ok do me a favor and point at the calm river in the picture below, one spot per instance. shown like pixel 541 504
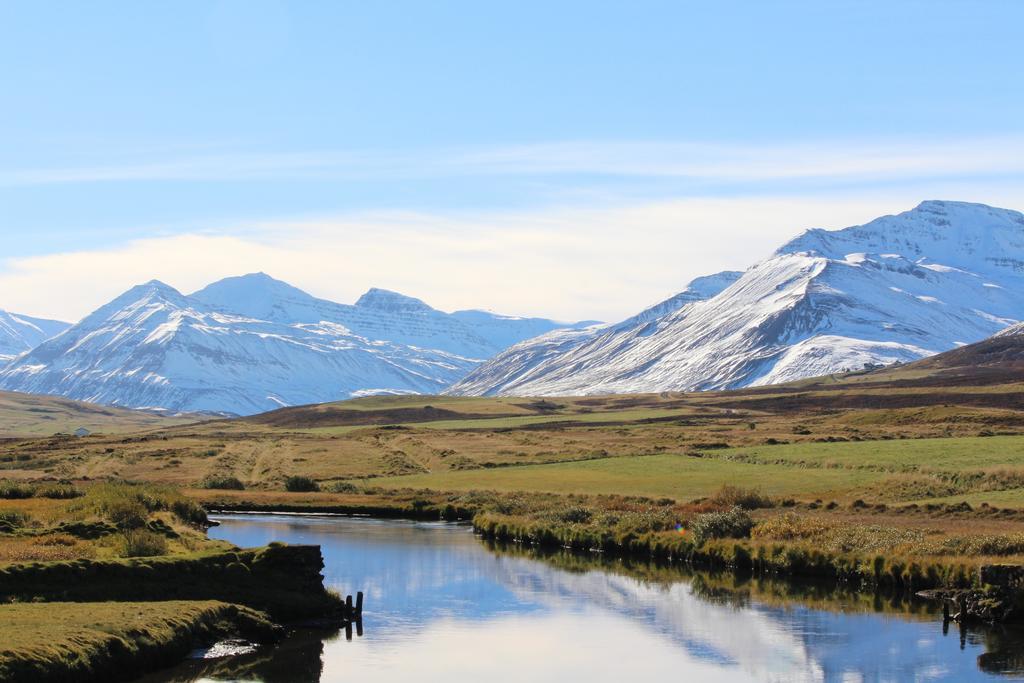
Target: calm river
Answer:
pixel 443 606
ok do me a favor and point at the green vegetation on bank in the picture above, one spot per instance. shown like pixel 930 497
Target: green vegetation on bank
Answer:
pixel 100 559
pixel 45 642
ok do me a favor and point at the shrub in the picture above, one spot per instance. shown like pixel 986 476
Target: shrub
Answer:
pixel 735 523
pixel 735 496
pixel 57 540
pixel 11 520
pixel 190 512
pixel 343 487
pixel 299 484
pixel 129 505
pixel 576 515
pixel 222 482
pixel 12 490
pixel 126 514
pixel 142 543
pixel 59 492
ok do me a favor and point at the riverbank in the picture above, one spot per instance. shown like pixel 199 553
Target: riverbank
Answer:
pixel 112 641
pixel 103 581
pixel 903 549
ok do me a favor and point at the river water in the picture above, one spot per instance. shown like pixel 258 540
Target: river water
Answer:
pixel 443 606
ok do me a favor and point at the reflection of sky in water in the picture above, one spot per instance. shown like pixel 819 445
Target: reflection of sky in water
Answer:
pixel 440 606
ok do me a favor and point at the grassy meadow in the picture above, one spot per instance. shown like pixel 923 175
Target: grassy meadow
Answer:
pixel 890 483
pixel 28 415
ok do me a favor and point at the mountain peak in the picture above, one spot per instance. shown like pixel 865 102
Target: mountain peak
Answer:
pixel 897 288
pixel 950 232
pixel 251 284
pixel 158 286
pixel 146 290
pixel 257 295
pixel 385 299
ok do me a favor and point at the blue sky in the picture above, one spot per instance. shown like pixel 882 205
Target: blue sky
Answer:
pixel 464 152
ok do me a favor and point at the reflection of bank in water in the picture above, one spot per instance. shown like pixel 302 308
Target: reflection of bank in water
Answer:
pixel 446 608
pixel 298 658
pixel 759 595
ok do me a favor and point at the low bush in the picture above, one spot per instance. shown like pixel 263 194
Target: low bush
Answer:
pixel 13 490
pixel 300 484
pixel 130 505
pixel 126 514
pixel 576 515
pixel 735 496
pixel 222 482
pixel 57 540
pixel 836 537
pixel 189 511
pixel 11 520
pixel 343 487
pixel 142 543
pixel 734 523
pixel 58 492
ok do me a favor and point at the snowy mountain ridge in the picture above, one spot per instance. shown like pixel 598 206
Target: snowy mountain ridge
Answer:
pixel 896 289
pixel 249 344
pixel 21 333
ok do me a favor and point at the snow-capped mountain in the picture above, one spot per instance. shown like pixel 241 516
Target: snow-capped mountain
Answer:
pixel 21 333
pixel 378 314
pixel 896 289
pixel 252 343
pixel 1015 330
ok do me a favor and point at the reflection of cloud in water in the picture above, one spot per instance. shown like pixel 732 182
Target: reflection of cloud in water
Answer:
pixel 438 602
pixel 588 644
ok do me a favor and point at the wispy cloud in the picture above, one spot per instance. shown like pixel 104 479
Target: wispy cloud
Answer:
pixel 824 161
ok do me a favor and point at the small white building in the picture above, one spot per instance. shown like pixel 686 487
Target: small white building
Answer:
pixel 82 431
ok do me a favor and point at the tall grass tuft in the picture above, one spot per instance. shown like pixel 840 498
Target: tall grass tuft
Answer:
pixel 224 482
pixel 142 543
pixel 58 492
pixel 735 496
pixel 13 490
pixel 734 523
pixel 300 484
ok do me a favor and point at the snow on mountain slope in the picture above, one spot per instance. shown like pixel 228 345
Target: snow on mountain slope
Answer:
pixel 378 314
pixel 246 345
pixel 570 349
pixel 20 333
pixel 896 289
pixel 1012 331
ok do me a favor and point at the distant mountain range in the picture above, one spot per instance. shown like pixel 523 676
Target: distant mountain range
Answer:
pixel 899 288
pixel 250 344
pixel 21 333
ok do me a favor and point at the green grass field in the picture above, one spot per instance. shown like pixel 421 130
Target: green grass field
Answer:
pixel 936 455
pixel 510 422
pixel 673 476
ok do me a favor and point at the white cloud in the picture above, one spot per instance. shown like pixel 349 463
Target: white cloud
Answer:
pixel 822 161
pixel 564 263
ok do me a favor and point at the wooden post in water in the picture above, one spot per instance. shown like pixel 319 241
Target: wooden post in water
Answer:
pixel 349 612
pixel 359 605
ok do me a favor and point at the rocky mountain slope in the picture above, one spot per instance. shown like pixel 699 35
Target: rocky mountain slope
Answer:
pixel 899 288
pixel 249 344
